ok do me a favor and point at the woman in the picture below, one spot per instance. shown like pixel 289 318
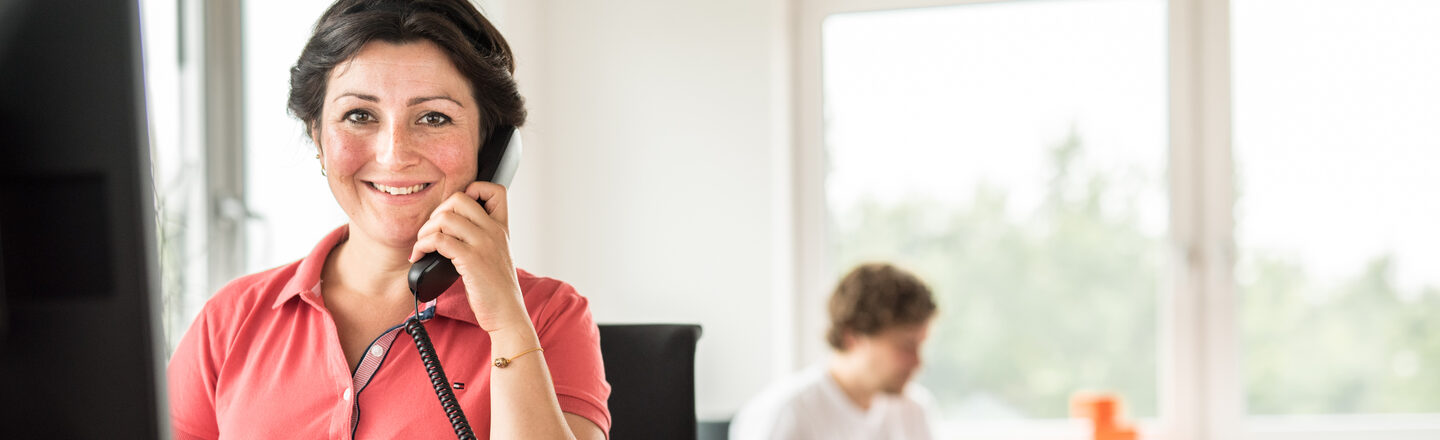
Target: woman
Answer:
pixel 398 97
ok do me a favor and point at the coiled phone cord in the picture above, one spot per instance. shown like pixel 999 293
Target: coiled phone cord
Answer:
pixel 437 376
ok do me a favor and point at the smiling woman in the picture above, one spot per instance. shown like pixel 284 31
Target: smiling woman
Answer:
pixel 398 97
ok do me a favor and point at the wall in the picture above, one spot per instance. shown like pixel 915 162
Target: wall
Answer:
pixel 657 173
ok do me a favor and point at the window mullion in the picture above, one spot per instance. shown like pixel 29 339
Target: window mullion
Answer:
pixel 1181 376
pixel 1200 387
pixel 1224 403
pixel 223 130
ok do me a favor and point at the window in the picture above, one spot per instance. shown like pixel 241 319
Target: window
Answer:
pixel 1013 155
pixel 1336 142
pixel 178 167
pixel 1219 209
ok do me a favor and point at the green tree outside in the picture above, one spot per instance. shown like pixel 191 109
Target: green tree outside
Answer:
pixel 1036 308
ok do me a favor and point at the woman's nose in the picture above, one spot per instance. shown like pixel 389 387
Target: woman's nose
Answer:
pixel 395 146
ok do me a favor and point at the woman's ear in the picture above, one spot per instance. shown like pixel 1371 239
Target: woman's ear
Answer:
pixel 313 128
pixel 319 150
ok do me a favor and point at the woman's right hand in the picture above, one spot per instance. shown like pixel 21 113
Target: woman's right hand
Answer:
pixel 471 229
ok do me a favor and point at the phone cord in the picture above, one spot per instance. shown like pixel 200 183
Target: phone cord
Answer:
pixel 437 378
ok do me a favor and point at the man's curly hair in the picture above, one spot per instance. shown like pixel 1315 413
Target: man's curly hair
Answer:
pixel 875 297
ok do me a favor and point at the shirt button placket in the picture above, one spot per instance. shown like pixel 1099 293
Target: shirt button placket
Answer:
pixel 347 411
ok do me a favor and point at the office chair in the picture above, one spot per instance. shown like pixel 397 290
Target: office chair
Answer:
pixel 651 370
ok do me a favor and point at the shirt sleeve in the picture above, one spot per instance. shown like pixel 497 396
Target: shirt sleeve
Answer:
pixel 191 379
pixel 572 351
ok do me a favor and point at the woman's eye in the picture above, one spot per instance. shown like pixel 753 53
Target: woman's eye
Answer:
pixel 434 119
pixel 358 117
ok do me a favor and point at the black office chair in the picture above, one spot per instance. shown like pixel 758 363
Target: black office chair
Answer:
pixel 651 370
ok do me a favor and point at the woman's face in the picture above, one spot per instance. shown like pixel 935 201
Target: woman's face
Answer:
pixel 398 132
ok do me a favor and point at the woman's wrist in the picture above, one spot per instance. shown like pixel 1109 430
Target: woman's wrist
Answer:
pixel 513 339
pixel 499 312
pixel 505 319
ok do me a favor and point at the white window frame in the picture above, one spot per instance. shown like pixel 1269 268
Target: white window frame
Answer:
pixel 222 107
pixel 207 65
pixel 1200 387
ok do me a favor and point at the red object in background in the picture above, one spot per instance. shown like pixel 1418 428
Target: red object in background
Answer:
pixel 1103 410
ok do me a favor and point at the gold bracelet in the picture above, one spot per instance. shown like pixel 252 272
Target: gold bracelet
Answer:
pixel 502 362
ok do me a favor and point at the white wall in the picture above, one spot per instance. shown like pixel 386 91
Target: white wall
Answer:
pixel 657 172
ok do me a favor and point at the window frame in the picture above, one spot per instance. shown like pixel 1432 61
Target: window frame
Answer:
pixel 1201 390
pixel 202 54
pixel 222 106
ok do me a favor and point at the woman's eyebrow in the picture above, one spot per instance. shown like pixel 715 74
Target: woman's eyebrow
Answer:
pixel 417 100
pixel 370 98
pixel 413 101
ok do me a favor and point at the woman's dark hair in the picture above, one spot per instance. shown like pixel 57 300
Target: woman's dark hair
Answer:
pixel 472 43
pixel 876 297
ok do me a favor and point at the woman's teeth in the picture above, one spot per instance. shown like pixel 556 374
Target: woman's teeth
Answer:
pixel 399 191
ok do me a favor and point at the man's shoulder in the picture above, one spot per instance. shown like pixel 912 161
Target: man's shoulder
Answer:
pixel 794 390
pixel 778 411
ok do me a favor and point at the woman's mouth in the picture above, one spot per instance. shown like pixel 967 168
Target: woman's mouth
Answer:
pixel 399 190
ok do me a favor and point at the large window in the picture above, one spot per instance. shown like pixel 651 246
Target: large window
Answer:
pixel 1220 210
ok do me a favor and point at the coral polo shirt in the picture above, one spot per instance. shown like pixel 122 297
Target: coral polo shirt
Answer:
pixel 263 360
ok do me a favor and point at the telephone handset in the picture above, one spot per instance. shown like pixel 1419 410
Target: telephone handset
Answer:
pixel 498 160
pixel 433 273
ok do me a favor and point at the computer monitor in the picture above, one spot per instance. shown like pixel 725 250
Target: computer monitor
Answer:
pixel 80 353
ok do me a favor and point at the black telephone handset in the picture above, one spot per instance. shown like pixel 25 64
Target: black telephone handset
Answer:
pixel 498 159
pixel 433 273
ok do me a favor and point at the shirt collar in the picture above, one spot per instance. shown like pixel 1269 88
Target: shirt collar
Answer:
pixel 451 304
pixel 307 275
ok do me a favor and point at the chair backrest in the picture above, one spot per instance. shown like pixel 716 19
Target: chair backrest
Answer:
pixel 651 370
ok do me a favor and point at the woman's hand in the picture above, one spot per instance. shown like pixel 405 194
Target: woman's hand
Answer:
pixel 476 238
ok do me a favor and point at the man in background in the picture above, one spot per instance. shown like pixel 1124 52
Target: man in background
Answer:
pixel 879 316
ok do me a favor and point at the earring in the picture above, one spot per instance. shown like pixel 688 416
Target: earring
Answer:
pixel 322 166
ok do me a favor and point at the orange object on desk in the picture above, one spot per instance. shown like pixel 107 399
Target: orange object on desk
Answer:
pixel 1103 410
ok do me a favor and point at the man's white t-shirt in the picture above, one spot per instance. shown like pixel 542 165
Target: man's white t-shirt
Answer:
pixel 811 406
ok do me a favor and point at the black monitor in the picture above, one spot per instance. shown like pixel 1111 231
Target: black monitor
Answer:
pixel 80 353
